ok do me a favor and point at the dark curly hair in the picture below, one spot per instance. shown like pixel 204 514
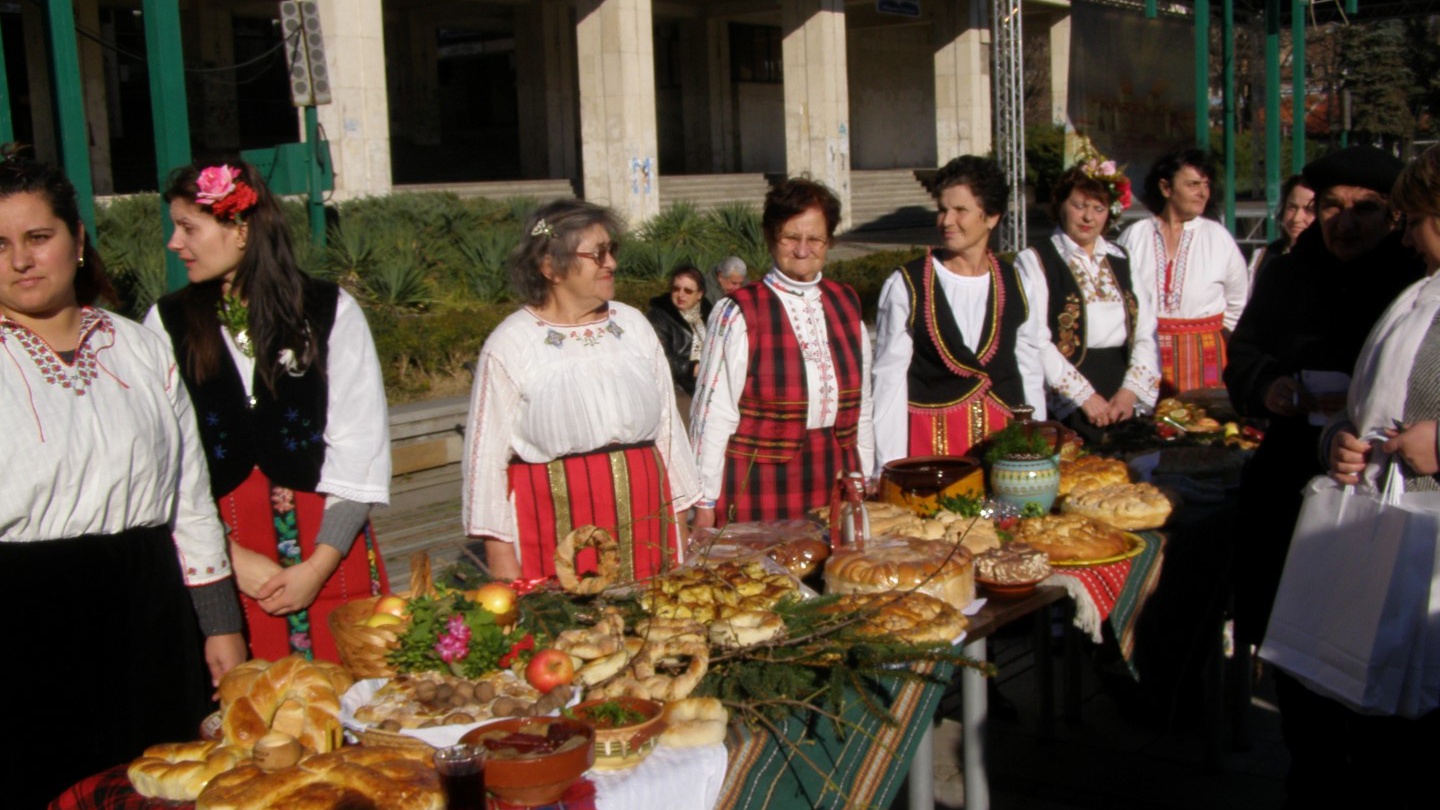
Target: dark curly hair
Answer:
pixel 793 197
pixel 1167 166
pixel 21 174
pixel 984 178
pixel 267 279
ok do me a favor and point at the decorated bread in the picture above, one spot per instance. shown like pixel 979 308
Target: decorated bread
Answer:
pixel 939 568
pixel 293 695
pixel 1124 506
pixel 908 616
pixel 798 545
pixel 427 699
pixel 179 771
pixel 1071 537
pixel 1012 563
pixel 392 778
pixel 1089 472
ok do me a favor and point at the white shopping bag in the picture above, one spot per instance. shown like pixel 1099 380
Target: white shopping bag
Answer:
pixel 1351 615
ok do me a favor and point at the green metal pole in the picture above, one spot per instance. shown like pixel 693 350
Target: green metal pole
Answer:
pixel 317 194
pixel 1202 74
pixel 70 105
pixel 1272 117
pixel 1297 81
pixel 1150 11
pixel 7 124
pixel 1227 134
pixel 168 109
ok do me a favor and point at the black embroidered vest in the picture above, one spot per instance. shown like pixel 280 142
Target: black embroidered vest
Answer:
pixel 282 434
pixel 1067 302
pixel 943 370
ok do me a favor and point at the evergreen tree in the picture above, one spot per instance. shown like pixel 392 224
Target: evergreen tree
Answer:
pixel 1379 80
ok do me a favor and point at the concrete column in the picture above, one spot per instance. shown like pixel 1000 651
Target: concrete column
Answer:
pixel 1060 67
pixel 962 80
pixel 619 146
pixel 724 147
pixel 97 117
pixel 42 107
pixel 817 96
pixel 219 111
pixel 423 88
pixel 547 102
pixel 357 121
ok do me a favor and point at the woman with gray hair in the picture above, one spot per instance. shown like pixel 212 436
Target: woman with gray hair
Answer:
pixel 573 419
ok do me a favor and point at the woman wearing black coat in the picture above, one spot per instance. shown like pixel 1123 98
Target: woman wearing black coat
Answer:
pixel 679 319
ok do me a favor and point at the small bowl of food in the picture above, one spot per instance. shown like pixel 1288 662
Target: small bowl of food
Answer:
pixel 1012 571
pixel 532 761
pixel 626 729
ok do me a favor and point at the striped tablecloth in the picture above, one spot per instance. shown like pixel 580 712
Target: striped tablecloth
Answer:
pixel 812 767
pixel 1116 592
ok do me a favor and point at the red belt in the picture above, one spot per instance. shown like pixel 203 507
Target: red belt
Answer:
pixel 1191 326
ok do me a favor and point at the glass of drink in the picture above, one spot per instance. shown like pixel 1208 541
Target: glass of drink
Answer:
pixel 462 776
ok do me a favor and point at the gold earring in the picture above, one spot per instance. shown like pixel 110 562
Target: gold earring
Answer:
pixel 81 261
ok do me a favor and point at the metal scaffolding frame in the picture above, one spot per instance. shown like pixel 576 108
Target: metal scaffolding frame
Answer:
pixel 1008 78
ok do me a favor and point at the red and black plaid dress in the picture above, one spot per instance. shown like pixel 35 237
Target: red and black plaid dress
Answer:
pixel 776 468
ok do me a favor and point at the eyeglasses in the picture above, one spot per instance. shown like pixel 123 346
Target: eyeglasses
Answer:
pixel 793 240
pixel 684 290
pixel 601 253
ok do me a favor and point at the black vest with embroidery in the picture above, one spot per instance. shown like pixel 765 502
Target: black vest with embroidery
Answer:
pixel 1067 302
pixel 283 434
pixel 943 370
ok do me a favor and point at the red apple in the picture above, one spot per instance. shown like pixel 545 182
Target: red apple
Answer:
pixel 496 597
pixel 548 669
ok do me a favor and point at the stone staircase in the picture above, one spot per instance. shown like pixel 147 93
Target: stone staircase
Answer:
pixel 888 199
pixel 543 190
pixel 708 191
pixel 426 443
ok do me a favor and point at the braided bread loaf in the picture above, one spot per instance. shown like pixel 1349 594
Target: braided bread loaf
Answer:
pixel 387 777
pixel 293 695
pixel 179 771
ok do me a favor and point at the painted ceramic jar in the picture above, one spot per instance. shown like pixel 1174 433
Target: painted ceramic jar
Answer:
pixel 1022 481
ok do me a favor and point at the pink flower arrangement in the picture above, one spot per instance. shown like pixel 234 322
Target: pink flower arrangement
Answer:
pixel 223 192
pixel 1097 167
pixel 454 643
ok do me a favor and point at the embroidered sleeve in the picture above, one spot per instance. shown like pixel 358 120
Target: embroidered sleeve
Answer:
pixel 715 411
pixel 1066 387
pixel 357 424
pixel 199 535
pixel 1143 374
pixel 890 391
pixel 494 401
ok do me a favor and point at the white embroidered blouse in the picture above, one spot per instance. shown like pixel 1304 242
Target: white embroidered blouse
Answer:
pixel 715 412
pixel 357 420
pixel 545 390
pixel 104 444
pixel 1206 278
pixel 968 299
pixel 1065 387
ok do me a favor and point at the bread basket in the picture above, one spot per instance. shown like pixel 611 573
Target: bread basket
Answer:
pixel 363 649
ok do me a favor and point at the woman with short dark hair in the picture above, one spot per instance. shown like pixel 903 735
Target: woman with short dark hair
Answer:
pixel 1100 358
pixel 957 344
pixel 572 418
pixel 783 401
pixel 1193 269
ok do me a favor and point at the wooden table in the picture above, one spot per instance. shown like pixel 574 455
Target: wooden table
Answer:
pixel 994 615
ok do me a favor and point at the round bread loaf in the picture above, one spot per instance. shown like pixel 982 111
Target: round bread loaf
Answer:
pixel 908 616
pixel 388 777
pixel 1124 506
pixel 936 567
pixel 1070 537
pixel 1089 472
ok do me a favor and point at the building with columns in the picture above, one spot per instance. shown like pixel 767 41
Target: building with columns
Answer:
pixel 613 96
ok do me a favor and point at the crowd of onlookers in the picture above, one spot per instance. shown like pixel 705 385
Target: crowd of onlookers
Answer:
pixel 193 490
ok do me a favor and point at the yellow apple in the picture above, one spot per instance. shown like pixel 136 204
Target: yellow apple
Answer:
pixel 496 597
pixel 392 605
pixel 383 620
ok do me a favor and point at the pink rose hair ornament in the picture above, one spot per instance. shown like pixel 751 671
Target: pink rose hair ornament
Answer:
pixel 221 190
pixel 1103 170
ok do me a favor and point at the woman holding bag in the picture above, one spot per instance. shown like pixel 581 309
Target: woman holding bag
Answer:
pixel 1390 416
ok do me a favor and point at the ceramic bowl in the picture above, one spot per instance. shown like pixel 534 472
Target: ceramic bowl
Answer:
pixel 535 780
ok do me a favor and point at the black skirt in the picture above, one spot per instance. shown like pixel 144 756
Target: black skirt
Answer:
pixel 104 657
pixel 1105 370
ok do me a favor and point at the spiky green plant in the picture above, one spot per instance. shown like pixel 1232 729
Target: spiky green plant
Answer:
pixel 484 253
pixel 133 246
pixel 400 280
pixel 740 233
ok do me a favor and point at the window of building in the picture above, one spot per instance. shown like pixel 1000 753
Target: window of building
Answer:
pixel 755 54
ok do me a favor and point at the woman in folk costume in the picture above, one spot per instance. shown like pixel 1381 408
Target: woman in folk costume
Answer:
pixel 290 404
pixel 958 344
pixel 783 402
pixel 1100 359
pixel 572 418
pixel 1192 267
pixel 111 556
